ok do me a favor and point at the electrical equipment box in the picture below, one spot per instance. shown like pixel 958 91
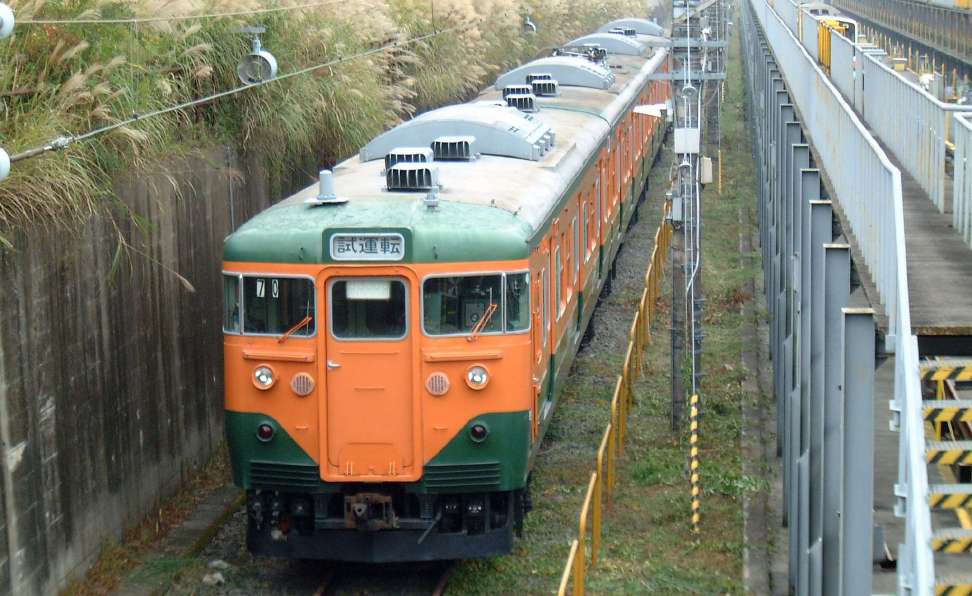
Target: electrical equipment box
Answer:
pixel 676 213
pixel 705 170
pixel 686 140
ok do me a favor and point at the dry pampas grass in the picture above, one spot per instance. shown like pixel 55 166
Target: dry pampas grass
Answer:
pixel 67 79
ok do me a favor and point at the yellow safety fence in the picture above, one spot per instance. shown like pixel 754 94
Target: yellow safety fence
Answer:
pixel 612 443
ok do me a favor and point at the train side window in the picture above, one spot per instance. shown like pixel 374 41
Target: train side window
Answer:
pixel 546 306
pixel 597 203
pixel 368 308
pixel 276 305
pixel 558 278
pixel 587 230
pixel 576 249
pixel 538 305
pixel 231 303
pixel 517 301
pixel 566 239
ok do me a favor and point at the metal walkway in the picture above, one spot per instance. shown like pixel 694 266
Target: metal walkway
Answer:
pixel 939 265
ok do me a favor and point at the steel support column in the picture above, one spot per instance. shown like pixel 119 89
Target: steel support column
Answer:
pixel 837 293
pixel 857 498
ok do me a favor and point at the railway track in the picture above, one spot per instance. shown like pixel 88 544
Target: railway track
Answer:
pixel 423 578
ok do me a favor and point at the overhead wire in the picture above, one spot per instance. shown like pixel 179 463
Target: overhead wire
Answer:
pixel 160 19
pixel 63 141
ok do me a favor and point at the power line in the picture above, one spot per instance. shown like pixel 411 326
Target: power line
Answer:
pixel 63 141
pixel 136 20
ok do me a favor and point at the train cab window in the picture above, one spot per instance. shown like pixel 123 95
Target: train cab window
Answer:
pixel 455 305
pixel 276 305
pixel 231 303
pixel 517 301
pixel 368 308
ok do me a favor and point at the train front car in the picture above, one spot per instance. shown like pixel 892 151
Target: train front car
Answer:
pixel 396 336
pixel 377 398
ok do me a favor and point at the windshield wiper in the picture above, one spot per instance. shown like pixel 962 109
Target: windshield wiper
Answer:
pixel 483 321
pixel 303 323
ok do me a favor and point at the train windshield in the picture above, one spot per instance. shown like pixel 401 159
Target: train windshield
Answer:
pixel 270 305
pixel 455 305
pixel 368 308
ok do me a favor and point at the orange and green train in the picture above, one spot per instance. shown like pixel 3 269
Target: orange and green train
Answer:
pixel 397 336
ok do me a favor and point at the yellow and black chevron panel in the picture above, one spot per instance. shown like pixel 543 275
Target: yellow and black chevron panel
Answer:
pixel 948 410
pixel 947 588
pixel 950 496
pixel 952 541
pixel 946 371
pixel 949 452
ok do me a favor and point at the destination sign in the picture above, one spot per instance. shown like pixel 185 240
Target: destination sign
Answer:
pixel 367 247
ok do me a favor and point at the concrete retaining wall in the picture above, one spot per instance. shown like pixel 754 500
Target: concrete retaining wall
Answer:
pixel 111 370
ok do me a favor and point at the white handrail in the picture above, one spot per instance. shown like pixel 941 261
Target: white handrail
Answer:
pixel 962 168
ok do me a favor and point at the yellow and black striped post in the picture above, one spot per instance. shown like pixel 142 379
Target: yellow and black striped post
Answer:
pixel 694 463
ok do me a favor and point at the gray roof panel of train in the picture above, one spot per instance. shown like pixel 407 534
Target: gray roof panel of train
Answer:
pixel 642 26
pixel 580 116
pixel 498 129
pixel 612 43
pixel 566 70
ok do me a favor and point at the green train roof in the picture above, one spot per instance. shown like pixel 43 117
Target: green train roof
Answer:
pixel 292 232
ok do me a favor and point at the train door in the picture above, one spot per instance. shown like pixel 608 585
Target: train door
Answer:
pixel 541 335
pixel 368 415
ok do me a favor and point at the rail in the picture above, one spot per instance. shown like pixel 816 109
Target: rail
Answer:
pixel 868 190
pixel 962 172
pixel 603 477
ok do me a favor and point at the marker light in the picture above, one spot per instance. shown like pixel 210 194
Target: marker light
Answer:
pixel 264 432
pixel 477 377
pixel 478 432
pixel 263 377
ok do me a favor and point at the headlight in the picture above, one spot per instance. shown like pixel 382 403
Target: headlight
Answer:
pixel 477 377
pixel 263 377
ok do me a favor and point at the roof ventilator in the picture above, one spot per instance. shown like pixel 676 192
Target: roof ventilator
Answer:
pixel 431 200
pixel 326 194
pixel 498 129
pixel 538 76
pixel 545 144
pixel 454 148
pixel 407 155
pixel 516 90
pixel 546 88
pixel 526 102
pixel 412 176
pixel 626 31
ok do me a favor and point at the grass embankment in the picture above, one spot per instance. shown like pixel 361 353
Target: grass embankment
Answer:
pixel 66 79
pixel 648 544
